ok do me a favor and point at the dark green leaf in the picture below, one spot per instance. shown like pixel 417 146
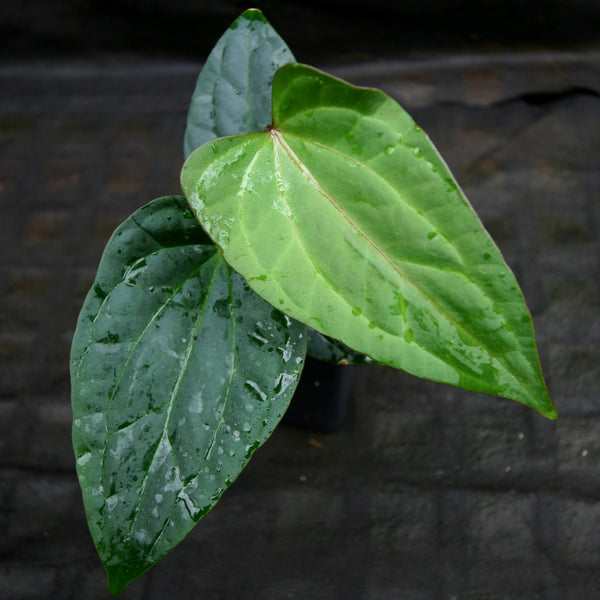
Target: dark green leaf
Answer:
pixel 233 92
pixel 179 372
pixel 344 216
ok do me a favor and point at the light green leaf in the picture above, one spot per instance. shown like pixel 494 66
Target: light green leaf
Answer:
pixel 179 373
pixel 344 216
pixel 233 91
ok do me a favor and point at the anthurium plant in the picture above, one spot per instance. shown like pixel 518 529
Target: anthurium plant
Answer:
pixel 317 218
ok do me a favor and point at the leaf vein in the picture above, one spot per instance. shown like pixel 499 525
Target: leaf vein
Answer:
pixel 164 434
pixel 278 137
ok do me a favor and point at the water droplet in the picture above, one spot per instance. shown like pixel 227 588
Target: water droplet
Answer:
pixel 100 293
pixel 398 308
pixel 372 324
pixel 432 234
pixel 111 502
pixel 487 256
pixel 389 150
pixel 418 152
pixel 84 459
pixel 253 387
pixel 450 185
pixel 356 311
pixel 222 308
pixel 409 335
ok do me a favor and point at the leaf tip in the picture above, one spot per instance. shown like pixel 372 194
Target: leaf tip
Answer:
pixel 253 14
pixel 121 575
pixel 550 411
pixel 116 582
pixel 545 407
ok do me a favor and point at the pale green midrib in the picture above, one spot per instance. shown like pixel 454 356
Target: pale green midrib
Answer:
pixel 211 444
pixel 404 261
pixel 300 238
pixel 365 165
pixel 135 345
pixel 227 393
pixel 163 306
pixel 368 167
pixel 362 164
pixel 164 434
pixel 311 180
pixel 241 220
pixel 277 135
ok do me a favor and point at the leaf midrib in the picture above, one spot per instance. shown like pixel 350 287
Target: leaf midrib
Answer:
pixel 155 316
pixel 277 137
pixel 173 395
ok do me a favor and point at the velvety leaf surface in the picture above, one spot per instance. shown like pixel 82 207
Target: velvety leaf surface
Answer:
pixel 179 372
pixel 233 91
pixel 344 215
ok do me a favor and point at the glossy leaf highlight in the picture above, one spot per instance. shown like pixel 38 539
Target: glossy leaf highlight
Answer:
pixel 343 215
pixel 179 373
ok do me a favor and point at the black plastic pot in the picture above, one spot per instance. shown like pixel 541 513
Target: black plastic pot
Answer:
pixel 321 398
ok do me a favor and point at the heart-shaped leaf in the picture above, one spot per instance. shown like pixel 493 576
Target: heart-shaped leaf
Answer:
pixel 179 372
pixel 343 215
pixel 233 91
